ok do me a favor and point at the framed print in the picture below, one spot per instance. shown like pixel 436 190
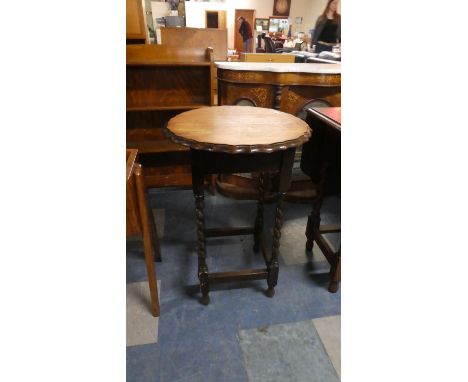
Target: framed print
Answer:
pixel 281 7
pixel 261 25
pixel 278 25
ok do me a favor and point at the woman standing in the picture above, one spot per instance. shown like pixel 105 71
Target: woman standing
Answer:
pixel 327 28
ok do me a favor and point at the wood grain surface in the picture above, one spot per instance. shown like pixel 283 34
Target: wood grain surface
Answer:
pixel 329 115
pixel 238 129
pixel 131 156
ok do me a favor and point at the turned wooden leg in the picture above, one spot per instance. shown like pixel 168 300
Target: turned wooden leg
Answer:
pixel 335 274
pixel 259 217
pixel 273 266
pixel 202 267
pixel 198 178
pixel 147 241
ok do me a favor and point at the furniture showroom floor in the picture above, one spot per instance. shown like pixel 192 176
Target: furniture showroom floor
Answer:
pixel 242 335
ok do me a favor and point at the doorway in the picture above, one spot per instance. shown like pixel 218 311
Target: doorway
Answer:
pixel 249 15
pixel 215 19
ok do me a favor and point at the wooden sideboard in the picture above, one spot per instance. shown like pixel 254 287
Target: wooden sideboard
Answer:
pixel 163 81
pixel 291 88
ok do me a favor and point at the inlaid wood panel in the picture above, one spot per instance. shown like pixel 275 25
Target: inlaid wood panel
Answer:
pixel 277 78
pixel 294 98
pixel 261 95
pixel 288 92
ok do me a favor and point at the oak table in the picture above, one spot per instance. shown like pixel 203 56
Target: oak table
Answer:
pixel 138 221
pixel 227 139
pixel 319 157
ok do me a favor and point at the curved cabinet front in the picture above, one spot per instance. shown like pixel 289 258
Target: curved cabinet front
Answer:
pixel 287 91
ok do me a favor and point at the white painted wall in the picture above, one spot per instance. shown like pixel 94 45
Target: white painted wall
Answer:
pixel 195 13
pixel 159 9
pixel 309 10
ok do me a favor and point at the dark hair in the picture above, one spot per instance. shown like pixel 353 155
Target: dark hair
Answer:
pixel 324 14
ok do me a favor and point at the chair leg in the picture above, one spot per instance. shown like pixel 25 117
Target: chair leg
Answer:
pixel 335 274
pixel 147 241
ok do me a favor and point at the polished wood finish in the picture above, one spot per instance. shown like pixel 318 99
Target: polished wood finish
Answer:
pixel 130 163
pixel 267 57
pixel 163 81
pixel 199 38
pixel 137 209
pixel 297 89
pixel 321 161
pixel 238 129
pixel 136 25
pixel 239 139
pixel 287 92
pixel 133 220
pixel 329 115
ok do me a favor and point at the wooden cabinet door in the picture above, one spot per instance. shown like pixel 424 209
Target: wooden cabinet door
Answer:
pixel 136 26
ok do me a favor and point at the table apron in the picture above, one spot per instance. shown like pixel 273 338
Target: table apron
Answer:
pixel 209 162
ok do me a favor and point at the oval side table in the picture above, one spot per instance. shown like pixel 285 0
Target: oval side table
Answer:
pixel 230 139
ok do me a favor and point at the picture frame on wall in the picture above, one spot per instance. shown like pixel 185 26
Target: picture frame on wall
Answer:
pixel 261 25
pixel 278 24
pixel 281 7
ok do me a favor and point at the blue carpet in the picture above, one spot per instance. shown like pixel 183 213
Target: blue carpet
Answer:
pixel 200 343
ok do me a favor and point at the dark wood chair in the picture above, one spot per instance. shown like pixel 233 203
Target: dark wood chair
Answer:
pixel 321 161
pixel 271 46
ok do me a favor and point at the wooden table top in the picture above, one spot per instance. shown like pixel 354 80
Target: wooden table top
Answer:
pixel 330 115
pixel 236 129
